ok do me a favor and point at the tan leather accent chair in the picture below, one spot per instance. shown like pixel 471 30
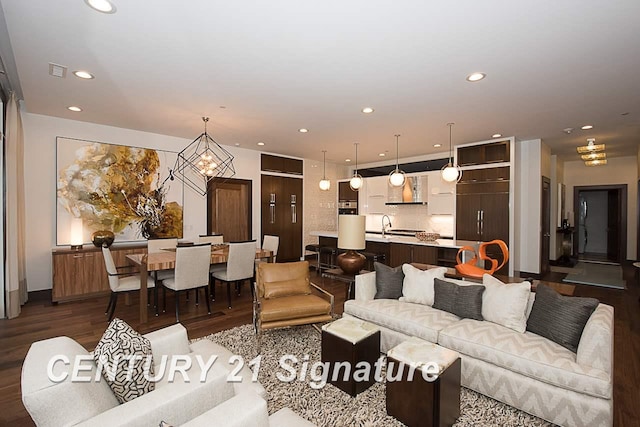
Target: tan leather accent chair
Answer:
pixel 284 297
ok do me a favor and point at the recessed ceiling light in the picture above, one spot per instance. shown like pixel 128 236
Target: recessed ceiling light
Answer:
pixel 347 160
pixel 104 6
pixel 83 74
pixel 381 155
pixel 303 130
pixel 367 110
pixel 261 143
pixel 237 144
pixel 586 127
pixel 496 135
pixel 437 145
pixel 476 77
pixel 567 130
pixel 74 108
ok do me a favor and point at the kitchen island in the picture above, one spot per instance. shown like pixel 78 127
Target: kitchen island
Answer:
pixel 397 250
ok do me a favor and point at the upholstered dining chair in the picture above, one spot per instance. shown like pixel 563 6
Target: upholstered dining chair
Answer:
pixel 214 239
pixel 240 266
pixel 122 281
pixel 284 296
pixel 192 272
pixel 155 246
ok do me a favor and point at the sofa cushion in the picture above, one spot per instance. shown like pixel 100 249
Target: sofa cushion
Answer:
pixel 114 352
pixel 417 286
pixel 505 303
pixel 525 353
pixel 293 307
pixel 560 318
pixel 463 301
pixel 388 281
pixel 417 320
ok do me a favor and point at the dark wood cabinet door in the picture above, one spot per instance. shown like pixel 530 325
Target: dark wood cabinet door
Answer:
pixel 281 206
pixel 400 254
pixel 345 193
pixel 425 254
pixel 229 209
pixel 468 208
pixel 495 217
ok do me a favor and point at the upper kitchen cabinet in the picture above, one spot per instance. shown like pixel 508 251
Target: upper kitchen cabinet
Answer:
pixel 269 163
pixel 345 193
pixel 441 195
pixel 495 152
pixel 375 189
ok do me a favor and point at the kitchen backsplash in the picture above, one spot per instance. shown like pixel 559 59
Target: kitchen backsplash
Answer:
pixel 414 217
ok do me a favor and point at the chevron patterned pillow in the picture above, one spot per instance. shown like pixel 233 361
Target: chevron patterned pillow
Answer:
pixel 118 345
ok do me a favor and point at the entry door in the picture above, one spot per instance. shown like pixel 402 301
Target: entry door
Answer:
pixel 545 233
pixel 229 209
pixel 281 205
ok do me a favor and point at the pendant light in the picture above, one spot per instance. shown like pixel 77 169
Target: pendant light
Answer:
pixel 325 184
pixel 450 172
pixel 356 180
pixel 591 147
pixel 396 177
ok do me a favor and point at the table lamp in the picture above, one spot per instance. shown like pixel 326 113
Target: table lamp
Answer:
pixel 351 230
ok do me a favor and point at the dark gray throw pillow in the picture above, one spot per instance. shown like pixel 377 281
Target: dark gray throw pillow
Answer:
pixel 463 301
pixel 560 318
pixel 388 281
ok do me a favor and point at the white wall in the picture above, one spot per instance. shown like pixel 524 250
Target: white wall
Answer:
pixel 618 170
pixel 40 183
pixel 527 198
pixel 2 281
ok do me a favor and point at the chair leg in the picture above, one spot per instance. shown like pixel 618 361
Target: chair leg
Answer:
pixel 197 296
pixel 164 299
pixel 155 299
pixel 229 293
pixel 177 304
pixel 114 295
pixel 213 288
pixel 109 305
pixel 187 295
pixel 206 296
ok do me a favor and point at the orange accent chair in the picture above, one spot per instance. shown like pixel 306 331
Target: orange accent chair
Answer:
pixel 470 267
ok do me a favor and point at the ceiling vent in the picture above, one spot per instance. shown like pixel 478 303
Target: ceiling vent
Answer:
pixel 57 70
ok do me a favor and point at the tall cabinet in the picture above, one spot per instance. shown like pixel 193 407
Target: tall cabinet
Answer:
pixel 483 195
pixel 281 205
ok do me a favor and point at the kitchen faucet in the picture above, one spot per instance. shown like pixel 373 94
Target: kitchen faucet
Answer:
pixel 384 228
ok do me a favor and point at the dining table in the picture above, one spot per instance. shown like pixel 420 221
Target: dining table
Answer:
pixel 166 260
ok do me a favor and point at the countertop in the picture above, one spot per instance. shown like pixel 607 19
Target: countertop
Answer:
pixel 443 243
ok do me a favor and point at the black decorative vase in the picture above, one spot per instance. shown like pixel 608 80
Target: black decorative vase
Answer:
pixel 102 238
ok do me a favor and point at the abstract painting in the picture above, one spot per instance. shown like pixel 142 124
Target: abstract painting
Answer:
pixel 127 190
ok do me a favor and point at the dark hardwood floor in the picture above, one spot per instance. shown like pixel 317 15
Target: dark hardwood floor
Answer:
pixel 85 322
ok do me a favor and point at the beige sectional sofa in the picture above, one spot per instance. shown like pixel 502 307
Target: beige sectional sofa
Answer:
pixel 521 369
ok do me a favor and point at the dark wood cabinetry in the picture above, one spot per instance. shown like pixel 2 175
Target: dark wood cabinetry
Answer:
pixel 402 253
pixel 345 193
pixel 269 163
pixel 281 208
pixel 82 274
pixel 495 152
pixel 482 207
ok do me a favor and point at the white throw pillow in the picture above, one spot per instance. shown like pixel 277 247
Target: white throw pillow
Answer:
pixel 505 303
pixel 417 286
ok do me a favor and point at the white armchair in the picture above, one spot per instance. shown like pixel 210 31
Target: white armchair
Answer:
pixel 92 403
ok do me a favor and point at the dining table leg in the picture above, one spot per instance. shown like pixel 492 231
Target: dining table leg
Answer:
pixel 144 274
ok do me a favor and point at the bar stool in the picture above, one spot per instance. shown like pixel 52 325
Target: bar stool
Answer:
pixel 373 257
pixel 316 250
pixel 329 254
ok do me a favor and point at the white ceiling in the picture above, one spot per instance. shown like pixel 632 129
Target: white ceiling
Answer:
pixel 281 65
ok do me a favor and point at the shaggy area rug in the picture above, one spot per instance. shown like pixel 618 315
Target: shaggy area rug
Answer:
pixel 330 406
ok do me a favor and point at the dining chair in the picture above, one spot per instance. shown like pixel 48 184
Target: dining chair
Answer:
pixel 191 272
pixel 240 267
pixel 214 239
pixel 271 243
pixel 122 281
pixel 155 246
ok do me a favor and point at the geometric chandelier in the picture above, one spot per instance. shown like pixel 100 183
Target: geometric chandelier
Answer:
pixel 203 160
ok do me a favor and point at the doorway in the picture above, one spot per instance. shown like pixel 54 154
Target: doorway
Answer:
pixel 600 223
pixel 545 226
pixel 229 209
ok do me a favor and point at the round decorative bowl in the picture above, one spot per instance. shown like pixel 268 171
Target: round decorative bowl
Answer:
pixel 102 237
pixel 423 236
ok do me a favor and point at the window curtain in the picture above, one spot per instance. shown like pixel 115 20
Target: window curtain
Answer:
pixel 15 268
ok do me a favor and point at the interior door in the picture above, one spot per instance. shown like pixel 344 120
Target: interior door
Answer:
pixel 281 204
pixel 545 233
pixel 229 209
